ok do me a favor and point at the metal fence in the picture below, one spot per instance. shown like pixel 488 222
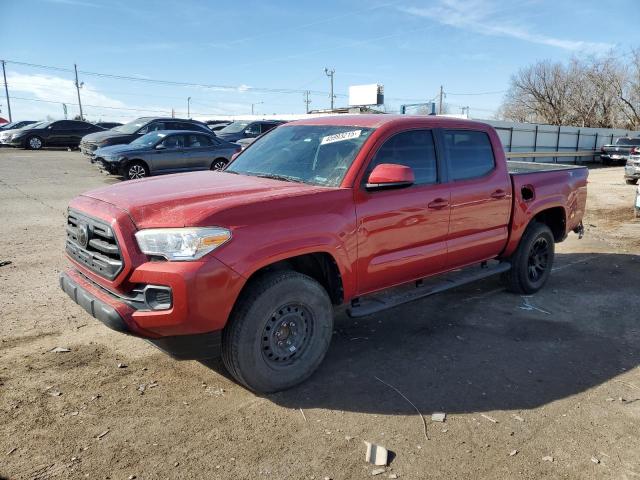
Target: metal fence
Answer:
pixel 534 142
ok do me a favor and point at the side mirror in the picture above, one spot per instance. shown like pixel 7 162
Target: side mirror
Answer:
pixel 160 147
pixel 390 175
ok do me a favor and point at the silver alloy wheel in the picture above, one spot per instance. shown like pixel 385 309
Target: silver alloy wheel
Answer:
pixel 35 143
pixel 218 165
pixel 136 171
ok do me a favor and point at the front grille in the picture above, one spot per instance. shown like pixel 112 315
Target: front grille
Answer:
pixel 93 243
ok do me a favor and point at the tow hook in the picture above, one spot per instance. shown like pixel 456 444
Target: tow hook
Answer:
pixel 579 230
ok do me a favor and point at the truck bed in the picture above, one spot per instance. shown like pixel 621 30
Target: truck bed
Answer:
pixel 518 168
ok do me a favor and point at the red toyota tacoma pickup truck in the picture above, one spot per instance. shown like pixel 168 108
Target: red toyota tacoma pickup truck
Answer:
pixel 249 263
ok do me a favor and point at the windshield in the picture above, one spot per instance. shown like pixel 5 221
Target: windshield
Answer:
pixel 36 125
pixel 234 127
pixel 131 127
pixel 315 154
pixel 149 139
pixel 628 141
pixel 8 126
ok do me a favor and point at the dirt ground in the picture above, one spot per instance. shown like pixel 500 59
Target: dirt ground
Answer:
pixel 546 386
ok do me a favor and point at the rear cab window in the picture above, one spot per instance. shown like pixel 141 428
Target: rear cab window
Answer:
pixel 470 154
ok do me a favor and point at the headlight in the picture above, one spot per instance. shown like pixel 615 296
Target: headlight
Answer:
pixel 181 243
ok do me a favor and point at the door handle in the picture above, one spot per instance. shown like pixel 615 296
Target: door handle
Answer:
pixel 438 203
pixel 499 194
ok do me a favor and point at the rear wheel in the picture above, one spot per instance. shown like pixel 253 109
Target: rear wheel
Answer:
pixel 279 332
pixel 631 181
pixel 136 170
pixel 532 262
pixel 219 164
pixel 34 143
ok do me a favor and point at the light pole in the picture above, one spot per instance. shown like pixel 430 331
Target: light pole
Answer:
pixel 188 107
pixel 329 73
pixel 252 105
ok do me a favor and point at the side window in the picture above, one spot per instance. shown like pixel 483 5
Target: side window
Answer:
pixel 177 126
pixel 174 141
pixel 195 141
pixel 62 125
pixel 470 154
pixel 253 129
pixel 267 126
pixel 414 149
pixel 152 127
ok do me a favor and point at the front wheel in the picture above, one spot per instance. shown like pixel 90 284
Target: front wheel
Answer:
pixel 631 181
pixel 532 262
pixel 34 143
pixel 136 170
pixel 279 332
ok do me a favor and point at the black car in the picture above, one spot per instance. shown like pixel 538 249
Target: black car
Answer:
pixel 59 133
pixel 108 125
pixel 246 129
pixel 166 151
pixel 215 125
pixel 130 131
pixel 16 125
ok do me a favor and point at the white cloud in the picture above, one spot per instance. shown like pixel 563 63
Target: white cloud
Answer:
pixel 484 17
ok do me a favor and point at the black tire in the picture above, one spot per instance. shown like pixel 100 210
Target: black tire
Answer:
pixel 33 142
pixel 631 181
pixel 532 262
pixel 278 307
pixel 136 170
pixel 219 163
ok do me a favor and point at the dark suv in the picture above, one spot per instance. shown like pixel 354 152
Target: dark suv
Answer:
pixel 130 131
pixel 60 133
pixel 246 129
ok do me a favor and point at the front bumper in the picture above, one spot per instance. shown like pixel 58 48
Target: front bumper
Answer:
pixel 632 171
pixel 114 168
pixel 88 148
pixel 117 315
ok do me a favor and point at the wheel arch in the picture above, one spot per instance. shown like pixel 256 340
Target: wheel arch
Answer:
pixel 556 219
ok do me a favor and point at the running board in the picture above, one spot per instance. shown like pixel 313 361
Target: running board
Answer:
pixel 361 307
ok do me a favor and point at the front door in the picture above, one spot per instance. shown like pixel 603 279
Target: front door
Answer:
pixel 480 198
pixel 171 156
pixel 402 233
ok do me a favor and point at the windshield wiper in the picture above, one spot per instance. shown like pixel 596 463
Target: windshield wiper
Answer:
pixel 275 176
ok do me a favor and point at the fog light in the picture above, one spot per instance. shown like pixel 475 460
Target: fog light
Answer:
pixel 158 298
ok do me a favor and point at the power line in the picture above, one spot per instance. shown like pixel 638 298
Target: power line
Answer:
pixel 478 93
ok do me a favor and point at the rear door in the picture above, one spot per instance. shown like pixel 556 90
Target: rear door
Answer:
pixel 77 130
pixel 402 233
pixel 59 133
pixel 480 198
pixel 200 151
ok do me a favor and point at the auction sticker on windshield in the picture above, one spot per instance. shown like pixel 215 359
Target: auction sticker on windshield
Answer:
pixel 339 137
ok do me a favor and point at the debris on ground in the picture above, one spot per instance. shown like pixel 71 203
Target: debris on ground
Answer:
pixel 60 350
pixel 548 458
pixel 122 365
pixel 513 452
pixel 393 475
pixel 438 417
pixel 141 388
pixel 376 454
pixel 55 393
pixel 5 262
pixel 491 419
pixel 303 415
pixel 348 438
pixel 595 460
pixel 378 471
pixel 132 477
pixel 100 435
pixel 424 422
pixel 12 450
pixel 526 305
pixel 518 418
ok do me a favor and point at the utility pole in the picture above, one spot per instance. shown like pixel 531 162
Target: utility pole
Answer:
pixel 329 73
pixel 440 104
pixel 253 104
pixel 78 87
pixel 306 100
pixel 6 90
pixel 188 107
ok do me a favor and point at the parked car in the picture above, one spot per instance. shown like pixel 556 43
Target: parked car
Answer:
pixel 632 169
pixel 636 205
pixel 245 142
pixel 130 131
pixel 5 135
pixel 246 129
pixel 215 125
pixel 60 133
pixel 619 151
pixel 166 151
pixel 109 125
pixel 342 210
pixel 17 125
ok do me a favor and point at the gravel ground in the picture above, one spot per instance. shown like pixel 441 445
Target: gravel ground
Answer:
pixel 546 386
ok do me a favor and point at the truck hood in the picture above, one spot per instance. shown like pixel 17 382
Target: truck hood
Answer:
pixel 194 199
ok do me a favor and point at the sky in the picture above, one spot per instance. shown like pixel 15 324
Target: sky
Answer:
pixel 232 55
